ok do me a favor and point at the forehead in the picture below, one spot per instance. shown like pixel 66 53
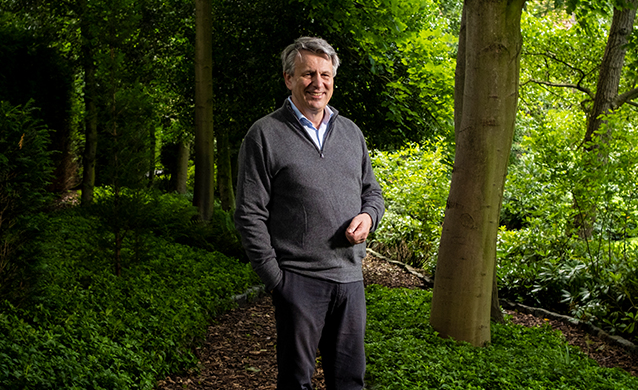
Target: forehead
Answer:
pixel 308 60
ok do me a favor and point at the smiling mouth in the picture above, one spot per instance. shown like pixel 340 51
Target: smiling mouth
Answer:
pixel 315 94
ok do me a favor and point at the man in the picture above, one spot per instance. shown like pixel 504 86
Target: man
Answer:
pixel 306 200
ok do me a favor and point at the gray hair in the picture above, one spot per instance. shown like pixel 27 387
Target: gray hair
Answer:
pixel 312 44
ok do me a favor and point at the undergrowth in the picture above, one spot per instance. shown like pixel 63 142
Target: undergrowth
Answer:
pixel 405 353
pixel 86 328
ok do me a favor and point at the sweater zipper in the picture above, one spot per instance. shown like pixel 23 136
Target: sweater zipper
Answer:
pixel 328 131
pixel 303 131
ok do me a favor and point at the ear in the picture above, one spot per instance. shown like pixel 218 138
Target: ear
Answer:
pixel 288 80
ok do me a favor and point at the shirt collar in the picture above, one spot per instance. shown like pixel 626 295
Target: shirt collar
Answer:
pixel 302 118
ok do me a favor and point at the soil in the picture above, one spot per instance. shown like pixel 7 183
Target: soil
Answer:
pixel 239 351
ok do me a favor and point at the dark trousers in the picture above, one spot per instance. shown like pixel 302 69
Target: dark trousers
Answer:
pixel 311 314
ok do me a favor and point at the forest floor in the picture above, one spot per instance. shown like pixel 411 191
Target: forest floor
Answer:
pixel 239 352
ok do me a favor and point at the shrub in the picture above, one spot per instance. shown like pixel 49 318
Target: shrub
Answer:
pixel 415 184
pixel 25 170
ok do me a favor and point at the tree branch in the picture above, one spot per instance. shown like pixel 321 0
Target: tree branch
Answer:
pixel 625 98
pixel 573 86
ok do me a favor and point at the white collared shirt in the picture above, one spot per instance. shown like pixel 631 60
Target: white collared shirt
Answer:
pixel 317 135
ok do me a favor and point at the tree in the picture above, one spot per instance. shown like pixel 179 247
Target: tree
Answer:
pixel 90 97
pixel 486 94
pixel 606 100
pixel 574 62
pixel 225 171
pixel 204 136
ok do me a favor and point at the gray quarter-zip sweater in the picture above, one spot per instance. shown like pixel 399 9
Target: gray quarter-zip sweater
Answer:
pixel 294 201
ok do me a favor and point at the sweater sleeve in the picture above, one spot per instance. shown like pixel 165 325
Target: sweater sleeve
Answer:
pixel 371 194
pixel 251 212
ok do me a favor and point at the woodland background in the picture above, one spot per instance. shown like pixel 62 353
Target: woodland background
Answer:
pixel 111 262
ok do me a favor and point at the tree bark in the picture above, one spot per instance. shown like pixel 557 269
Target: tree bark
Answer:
pixel 224 172
pixel 181 174
pixel 487 87
pixel 64 174
pixel 203 196
pixel 90 87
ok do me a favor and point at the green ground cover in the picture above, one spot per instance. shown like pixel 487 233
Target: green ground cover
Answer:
pixel 85 328
pixel 404 352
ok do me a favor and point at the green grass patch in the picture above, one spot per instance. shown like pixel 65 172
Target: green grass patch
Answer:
pixel 405 353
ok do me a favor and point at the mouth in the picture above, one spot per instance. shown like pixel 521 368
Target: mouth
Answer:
pixel 316 95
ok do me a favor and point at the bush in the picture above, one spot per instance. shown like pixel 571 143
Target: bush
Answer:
pixel 25 171
pixel 131 214
pixel 415 183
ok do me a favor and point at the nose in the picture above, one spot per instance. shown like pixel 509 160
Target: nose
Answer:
pixel 315 80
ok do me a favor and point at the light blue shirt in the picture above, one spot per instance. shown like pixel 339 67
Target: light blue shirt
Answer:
pixel 317 135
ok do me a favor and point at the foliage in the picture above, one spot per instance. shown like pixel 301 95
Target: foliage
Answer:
pixel 560 61
pixel 32 70
pixel 144 74
pixel 89 329
pixel 406 51
pixel 136 213
pixel 404 352
pixel 415 182
pixel 218 234
pixel 25 171
pixel 546 262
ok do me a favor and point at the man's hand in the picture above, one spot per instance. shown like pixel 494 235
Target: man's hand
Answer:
pixel 359 228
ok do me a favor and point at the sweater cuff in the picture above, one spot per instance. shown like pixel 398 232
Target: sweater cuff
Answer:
pixel 269 273
pixel 373 215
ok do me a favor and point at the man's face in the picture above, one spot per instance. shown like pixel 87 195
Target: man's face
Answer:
pixel 312 83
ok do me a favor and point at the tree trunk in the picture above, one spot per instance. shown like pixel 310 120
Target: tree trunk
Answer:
pixel 487 93
pixel 65 168
pixel 203 196
pixel 604 103
pixel 90 143
pixel 224 172
pixel 181 173
pixel 611 67
pixel 495 308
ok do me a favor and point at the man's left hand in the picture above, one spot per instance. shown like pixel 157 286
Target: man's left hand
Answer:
pixel 359 228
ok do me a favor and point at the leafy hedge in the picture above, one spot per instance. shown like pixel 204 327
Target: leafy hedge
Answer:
pixel 88 329
pixel 405 353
